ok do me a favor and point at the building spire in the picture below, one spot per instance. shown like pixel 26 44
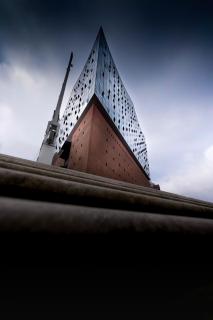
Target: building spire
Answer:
pixel 48 147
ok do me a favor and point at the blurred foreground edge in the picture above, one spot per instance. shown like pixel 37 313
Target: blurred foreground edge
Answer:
pixel 75 215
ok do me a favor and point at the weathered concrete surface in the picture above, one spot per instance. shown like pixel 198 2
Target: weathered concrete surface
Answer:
pixel 78 176
pixel 40 216
pixel 83 202
pixel 27 180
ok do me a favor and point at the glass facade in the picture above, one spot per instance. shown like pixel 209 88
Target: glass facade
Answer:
pixel 100 77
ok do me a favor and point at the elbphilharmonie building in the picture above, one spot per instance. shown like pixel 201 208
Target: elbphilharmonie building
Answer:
pixel 116 144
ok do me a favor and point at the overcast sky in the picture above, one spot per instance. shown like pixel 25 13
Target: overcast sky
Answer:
pixel 164 53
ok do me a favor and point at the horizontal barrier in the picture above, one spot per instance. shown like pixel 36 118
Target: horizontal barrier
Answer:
pixel 26 183
pixel 39 216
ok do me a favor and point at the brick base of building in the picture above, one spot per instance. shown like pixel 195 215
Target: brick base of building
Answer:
pixel 96 146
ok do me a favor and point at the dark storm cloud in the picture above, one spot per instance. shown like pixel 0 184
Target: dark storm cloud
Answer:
pixel 35 19
pixel 155 29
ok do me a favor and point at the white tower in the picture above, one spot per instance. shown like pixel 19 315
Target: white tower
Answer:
pixel 48 147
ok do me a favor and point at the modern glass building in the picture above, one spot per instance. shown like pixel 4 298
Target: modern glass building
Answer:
pixel 100 78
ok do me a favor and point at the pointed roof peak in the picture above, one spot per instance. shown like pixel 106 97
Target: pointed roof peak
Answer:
pixel 101 39
pixel 101 33
pixel 101 30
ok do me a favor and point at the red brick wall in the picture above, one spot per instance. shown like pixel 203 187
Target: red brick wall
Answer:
pixel 80 142
pixel 97 149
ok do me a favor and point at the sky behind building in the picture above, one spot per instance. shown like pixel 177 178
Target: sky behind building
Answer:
pixel 163 51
